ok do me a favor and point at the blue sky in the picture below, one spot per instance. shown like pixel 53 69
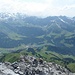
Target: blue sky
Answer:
pixel 39 7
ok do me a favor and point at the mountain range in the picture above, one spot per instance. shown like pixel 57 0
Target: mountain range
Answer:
pixel 54 34
pixel 57 32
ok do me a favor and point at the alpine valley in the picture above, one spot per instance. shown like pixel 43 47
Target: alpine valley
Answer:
pixel 51 38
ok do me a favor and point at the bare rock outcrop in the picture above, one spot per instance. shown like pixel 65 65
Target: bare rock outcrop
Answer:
pixel 28 65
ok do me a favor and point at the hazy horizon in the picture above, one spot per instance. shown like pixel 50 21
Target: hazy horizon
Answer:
pixel 42 8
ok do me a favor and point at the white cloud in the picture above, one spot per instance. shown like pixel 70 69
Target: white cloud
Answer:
pixel 39 8
pixel 23 7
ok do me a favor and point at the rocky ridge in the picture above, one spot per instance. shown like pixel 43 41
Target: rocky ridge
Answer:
pixel 29 65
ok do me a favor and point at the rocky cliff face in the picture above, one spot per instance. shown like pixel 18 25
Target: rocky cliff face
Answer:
pixel 28 65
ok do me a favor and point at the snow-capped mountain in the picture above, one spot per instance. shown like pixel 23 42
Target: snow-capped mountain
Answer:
pixel 20 29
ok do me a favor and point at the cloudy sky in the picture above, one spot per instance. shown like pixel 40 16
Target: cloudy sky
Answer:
pixel 39 7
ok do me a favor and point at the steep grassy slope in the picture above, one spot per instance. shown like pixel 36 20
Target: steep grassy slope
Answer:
pixel 67 61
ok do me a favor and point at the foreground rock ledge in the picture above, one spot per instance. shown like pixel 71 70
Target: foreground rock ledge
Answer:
pixel 28 65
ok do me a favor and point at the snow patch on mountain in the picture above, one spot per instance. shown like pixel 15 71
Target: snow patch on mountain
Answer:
pixel 62 20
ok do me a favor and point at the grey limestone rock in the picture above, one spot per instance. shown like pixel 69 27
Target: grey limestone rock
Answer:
pixel 29 65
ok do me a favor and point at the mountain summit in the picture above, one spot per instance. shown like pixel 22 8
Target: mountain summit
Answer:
pixel 28 65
